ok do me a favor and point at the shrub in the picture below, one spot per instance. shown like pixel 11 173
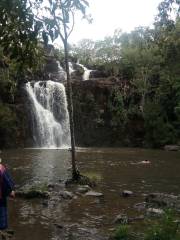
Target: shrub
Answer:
pixel 8 126
pixel 166 229
pixel 122 233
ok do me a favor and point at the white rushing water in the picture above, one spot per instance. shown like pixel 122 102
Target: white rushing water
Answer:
pixel 71 69
pixel 86 73
pixel 61 72
pixel 50 119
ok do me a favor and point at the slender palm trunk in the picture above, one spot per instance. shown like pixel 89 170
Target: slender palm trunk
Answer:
pixel 75 172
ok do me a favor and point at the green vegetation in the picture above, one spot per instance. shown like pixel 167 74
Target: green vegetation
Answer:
pixel 145 63
pixel 26 26
pixel 123 233
pixel 94 177
pixel 166 228
pixel 20 51
pixel 8 126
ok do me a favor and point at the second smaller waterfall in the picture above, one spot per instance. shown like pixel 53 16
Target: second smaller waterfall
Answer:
pixel 86 73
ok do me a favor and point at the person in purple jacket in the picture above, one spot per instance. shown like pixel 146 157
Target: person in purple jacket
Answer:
pixel 6 190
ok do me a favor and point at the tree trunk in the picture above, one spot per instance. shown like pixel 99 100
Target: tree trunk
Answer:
pixel 75 172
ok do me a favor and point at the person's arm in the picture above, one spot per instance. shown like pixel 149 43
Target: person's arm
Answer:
pixel 9 184
pixel 12 194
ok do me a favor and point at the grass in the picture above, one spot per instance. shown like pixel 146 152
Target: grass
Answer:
pixel 166 228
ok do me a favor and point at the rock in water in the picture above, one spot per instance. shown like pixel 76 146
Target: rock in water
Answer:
pixel 94 194
pixel 121 219
pixel 66 195
pixel 155 211
pixel 127 193
pixel 171 147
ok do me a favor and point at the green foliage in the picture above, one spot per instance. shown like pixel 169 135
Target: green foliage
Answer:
pixel 8 126
pixel 19 32
pixel 123 233
pixel 166 229
pixel 83 51
pixel 117 109
pixel 148 60
pixel 20 51
pixel 40 187
pixel 59 54
pixel 166 7
pixel 158 130
pixel 59 21
pixel 94 176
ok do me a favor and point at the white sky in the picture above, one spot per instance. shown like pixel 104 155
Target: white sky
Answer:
pixel 109 15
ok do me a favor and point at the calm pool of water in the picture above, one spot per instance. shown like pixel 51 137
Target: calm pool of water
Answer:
pixel 114 169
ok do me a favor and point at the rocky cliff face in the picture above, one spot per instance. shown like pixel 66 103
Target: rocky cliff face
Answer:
pixel 101 114
pixel 99 120
pixel 14 123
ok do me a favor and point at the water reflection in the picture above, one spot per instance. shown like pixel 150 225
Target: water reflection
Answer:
pixel 34 165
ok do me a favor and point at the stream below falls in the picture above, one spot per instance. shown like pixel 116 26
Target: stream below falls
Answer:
pixel 86 217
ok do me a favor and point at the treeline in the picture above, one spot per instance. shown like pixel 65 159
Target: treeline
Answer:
pixel 147 62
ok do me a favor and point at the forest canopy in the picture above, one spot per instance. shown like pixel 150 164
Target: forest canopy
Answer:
pixel 147 59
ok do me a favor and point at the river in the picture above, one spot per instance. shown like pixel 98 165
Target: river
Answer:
pixel 114 170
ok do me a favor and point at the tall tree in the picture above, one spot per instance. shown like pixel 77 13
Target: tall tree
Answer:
pixel 19 31
pixel 61 24
pixel 167 10
pixel 20 53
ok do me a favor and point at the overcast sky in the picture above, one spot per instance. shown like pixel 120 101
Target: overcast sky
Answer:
pixel 109 15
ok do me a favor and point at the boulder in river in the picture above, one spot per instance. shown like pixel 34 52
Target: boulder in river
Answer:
pixel 155 212
pixel 94 194
pixel 121 219
pixel 66 194
pixel 140 206
pixel 127 193
pixel 171 147
pixel 163 200
pixel 32 193
pixel 37 190
pixel 83 189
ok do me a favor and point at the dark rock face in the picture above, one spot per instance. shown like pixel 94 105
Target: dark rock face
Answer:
pixel 97 74
pixel 96 123
pixel 16 131
pixel 53 70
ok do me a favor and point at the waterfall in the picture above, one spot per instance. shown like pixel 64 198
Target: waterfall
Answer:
pixel 71 69
pixel 50 119
pixel 86 73
pixel 61 73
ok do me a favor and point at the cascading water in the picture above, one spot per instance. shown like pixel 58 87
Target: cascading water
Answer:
pixel 61 72
pixel 86 73
pixel 71 69
pixel 50 117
